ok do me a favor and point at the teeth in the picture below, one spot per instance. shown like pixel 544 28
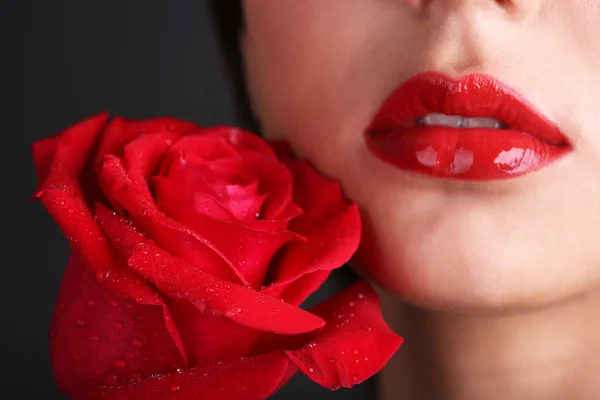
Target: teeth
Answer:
pixel 453 121
pixel 458 121
pixel 481 122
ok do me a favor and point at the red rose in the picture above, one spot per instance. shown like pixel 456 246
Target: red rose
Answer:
pixel 192 250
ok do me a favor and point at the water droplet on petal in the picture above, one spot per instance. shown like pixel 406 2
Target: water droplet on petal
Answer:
pixel 311 370
pixel 95 338
pixel 111 379
pixel 137 343
pixel 355 378
pixel 120 364
pixel 368 328
pixel 175 388
pixel 135 376
pixel 361 296
pixel 91 303
pixel 129 355
pixel 81 323
pixel 355 352
pixel 118 325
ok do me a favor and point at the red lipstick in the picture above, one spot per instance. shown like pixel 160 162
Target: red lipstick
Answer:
pixel 472 128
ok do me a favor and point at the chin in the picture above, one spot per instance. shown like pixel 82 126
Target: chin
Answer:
pixel 453 269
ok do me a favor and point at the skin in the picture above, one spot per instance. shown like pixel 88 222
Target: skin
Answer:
pixel 496 281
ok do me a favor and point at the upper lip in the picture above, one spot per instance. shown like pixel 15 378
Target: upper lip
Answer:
pixel 469 96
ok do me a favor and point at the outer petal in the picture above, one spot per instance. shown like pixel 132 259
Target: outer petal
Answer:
pixel 253 378
pixel 180 280
pixel 355 344
pixel 43 154
pixel 209 339
pixel 331 226
pixel 63 197
pixel 100 338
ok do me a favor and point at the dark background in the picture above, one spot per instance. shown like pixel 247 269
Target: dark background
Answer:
pixel 60 62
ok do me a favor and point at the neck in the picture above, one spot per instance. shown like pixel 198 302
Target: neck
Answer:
pixel 547 354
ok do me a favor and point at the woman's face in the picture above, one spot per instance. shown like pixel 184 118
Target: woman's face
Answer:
pixel 318 73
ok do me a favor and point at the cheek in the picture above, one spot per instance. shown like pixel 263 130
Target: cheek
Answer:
pixel 311 65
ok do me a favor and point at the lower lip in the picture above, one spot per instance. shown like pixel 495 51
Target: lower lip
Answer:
pixel 464 154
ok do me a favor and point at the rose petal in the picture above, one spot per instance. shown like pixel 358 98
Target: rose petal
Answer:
pixel 172 191
pixel 120 132
pixel 181 281
pixel 100 338
pixel 287 376
pixel 299 290
pixel 331 226
pixel 253 378
pixel 276 180
pixel 43 154
pixel 142 156
pixel 62 196
pixel 250 251
pixel 209 339
pixel 225 179
pixel 171 235
pixel 244 141
pixel 205 145
pixel 354 345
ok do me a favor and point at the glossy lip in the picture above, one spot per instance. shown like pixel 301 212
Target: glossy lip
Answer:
pixel 529 142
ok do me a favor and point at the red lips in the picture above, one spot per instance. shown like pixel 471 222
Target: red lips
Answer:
pixel 527 142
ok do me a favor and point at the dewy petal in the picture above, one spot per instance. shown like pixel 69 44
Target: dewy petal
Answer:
pixel 120 132
pixel 169 234
pixel 209 339
pixel 250 251
pixel 181 281
pixel 62 196
pixel 100 338
pixel 331 226
pixel 254 378
pixel 354 345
